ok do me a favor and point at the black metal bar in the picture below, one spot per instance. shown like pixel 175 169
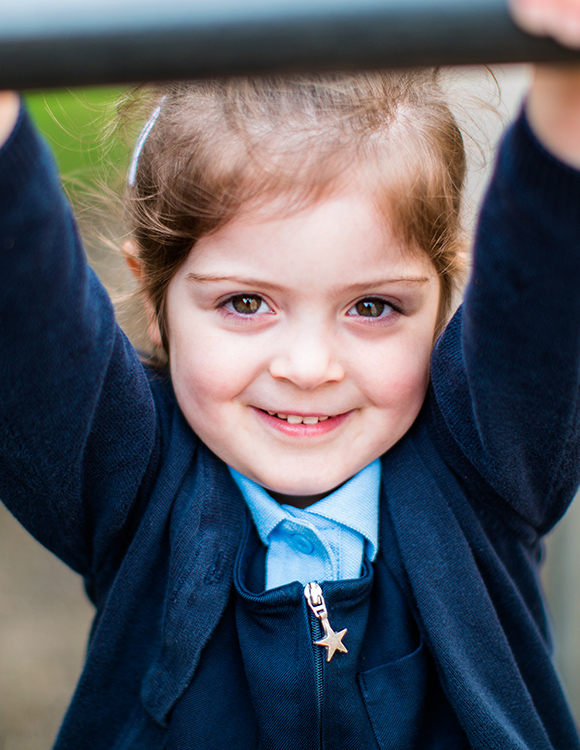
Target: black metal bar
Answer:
pixel 53 43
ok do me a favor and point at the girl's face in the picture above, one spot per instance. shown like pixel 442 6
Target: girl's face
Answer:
pixel 299 346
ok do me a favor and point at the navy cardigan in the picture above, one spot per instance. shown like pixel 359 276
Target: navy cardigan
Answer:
pixel 98 463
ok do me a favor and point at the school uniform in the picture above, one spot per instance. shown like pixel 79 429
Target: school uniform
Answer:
pixel 448 644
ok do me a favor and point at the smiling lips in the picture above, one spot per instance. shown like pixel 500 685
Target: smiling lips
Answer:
pixel 303 425
pixel 297 419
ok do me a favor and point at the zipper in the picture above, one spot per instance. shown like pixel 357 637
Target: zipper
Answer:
pixel 332 641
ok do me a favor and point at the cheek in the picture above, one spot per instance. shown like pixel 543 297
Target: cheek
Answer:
pixel 201 378
pixel 208 367
pixel 202 391
pixel 397 377
pixel 405 390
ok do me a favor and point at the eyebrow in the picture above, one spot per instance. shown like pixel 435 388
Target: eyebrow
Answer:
pixel 207 278
pixel 389 280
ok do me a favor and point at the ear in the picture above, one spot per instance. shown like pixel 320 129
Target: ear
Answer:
pixel 132 259
pixel 136 268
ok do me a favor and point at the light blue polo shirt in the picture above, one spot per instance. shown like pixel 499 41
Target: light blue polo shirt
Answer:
pixel 324 542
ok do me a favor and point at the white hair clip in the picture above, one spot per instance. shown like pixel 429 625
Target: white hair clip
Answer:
pixel 132 173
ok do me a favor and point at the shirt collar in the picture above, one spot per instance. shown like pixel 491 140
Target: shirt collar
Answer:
pixel 355 504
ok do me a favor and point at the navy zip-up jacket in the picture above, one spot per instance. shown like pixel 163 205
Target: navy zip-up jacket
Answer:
pixel 449 643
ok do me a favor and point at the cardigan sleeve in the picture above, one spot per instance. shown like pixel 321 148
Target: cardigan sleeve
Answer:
pixel 77 418
pixel 506 372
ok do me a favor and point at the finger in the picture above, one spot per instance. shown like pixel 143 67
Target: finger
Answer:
pixel 532 17
pixel 559 19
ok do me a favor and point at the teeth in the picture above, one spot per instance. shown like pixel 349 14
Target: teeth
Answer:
pixel 295 419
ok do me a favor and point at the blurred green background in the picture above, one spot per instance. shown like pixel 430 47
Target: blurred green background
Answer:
pixel 74 123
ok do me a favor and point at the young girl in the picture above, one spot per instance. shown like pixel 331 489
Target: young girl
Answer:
pixel 296 243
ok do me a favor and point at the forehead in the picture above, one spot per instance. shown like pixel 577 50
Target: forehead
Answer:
pixel 341 236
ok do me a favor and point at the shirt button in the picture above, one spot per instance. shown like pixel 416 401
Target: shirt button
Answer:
pixel 302 544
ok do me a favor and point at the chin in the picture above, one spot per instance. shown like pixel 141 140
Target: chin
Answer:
pixel 308 490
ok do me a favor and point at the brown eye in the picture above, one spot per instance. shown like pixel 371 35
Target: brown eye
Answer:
pixel 246 304
pixel 370 308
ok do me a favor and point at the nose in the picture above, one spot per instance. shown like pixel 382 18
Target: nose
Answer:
pixel 307 359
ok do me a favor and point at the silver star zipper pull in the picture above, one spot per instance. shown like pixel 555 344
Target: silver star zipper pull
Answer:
pixel 332 641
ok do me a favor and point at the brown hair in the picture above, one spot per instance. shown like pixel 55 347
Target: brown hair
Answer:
pixel 219 146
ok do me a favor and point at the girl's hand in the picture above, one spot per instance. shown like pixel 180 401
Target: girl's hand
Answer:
pixel 559 19
pixel 9 108
pixel 553 105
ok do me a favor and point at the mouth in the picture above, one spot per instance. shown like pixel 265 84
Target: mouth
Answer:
pixel 302 425
pixel 298 418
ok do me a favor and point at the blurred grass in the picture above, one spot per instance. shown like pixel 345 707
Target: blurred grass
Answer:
pixel 92 159
pixel 75 122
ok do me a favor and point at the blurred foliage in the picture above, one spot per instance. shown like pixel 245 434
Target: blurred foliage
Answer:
pixel 92 155
pixel 77 124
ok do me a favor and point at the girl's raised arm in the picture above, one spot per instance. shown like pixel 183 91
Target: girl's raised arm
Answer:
pixel 512 401
pixel 78 425
pixel 553 105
